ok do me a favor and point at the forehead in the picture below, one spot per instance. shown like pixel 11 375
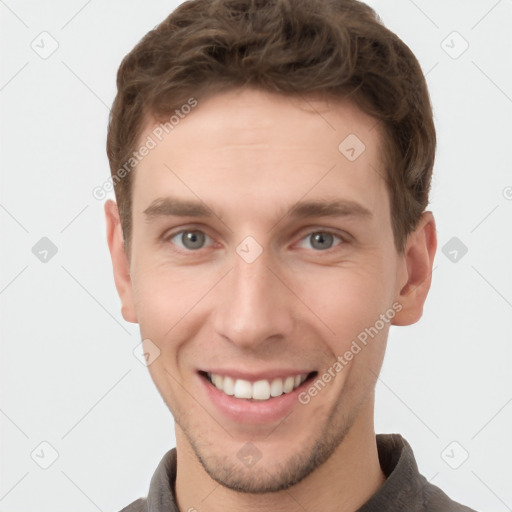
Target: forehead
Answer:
pixel 263 145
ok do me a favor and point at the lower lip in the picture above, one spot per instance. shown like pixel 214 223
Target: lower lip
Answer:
pixel 243 410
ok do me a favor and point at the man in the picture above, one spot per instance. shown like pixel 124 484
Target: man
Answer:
pixel 272 163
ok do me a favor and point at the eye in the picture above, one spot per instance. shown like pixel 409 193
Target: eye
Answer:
pixel 321 240
pixel 189 239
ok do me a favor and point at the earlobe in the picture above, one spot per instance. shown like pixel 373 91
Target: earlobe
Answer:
pixel 418 260
pixel 120 263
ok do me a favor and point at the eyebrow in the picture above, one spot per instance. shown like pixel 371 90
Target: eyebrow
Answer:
pixel 332 208
pixel 171 206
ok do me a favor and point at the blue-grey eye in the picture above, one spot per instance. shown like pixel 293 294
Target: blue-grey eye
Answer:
pixel 321 240
pixel 189 239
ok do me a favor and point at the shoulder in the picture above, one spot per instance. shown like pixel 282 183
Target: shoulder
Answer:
pixel 405 488
pixel 161 493
pixel 435 500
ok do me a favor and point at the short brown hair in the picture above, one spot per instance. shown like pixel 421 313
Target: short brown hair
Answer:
pixel 336 48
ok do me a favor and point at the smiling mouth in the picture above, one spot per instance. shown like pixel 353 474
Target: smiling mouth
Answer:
pixel 260 390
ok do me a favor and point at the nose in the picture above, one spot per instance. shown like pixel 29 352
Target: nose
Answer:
pixel 254 307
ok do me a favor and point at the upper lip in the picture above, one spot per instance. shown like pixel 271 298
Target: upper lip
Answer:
pixel 254 376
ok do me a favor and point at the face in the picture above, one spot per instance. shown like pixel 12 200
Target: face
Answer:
pixel 260 254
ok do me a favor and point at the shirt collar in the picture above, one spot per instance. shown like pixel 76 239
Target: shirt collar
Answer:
pixel 404 484
pixel 402 487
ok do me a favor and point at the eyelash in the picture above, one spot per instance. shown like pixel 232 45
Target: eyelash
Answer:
pixel 343 240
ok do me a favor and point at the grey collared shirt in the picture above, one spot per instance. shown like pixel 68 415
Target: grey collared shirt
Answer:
pixel 405 489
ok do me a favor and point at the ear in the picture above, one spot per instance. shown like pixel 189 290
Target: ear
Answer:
pixel 417 262
pixel 120 262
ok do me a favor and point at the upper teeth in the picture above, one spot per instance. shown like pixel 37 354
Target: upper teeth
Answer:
pixel 259 390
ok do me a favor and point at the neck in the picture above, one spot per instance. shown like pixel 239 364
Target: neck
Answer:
pixel 342 484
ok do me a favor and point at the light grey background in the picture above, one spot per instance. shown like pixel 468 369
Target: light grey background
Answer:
pixel 68 374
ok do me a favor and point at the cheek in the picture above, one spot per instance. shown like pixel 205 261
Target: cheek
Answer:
pixel 164 297
pixel 166 303
pixel 154 302
pixel 351 303
pixel 347 299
